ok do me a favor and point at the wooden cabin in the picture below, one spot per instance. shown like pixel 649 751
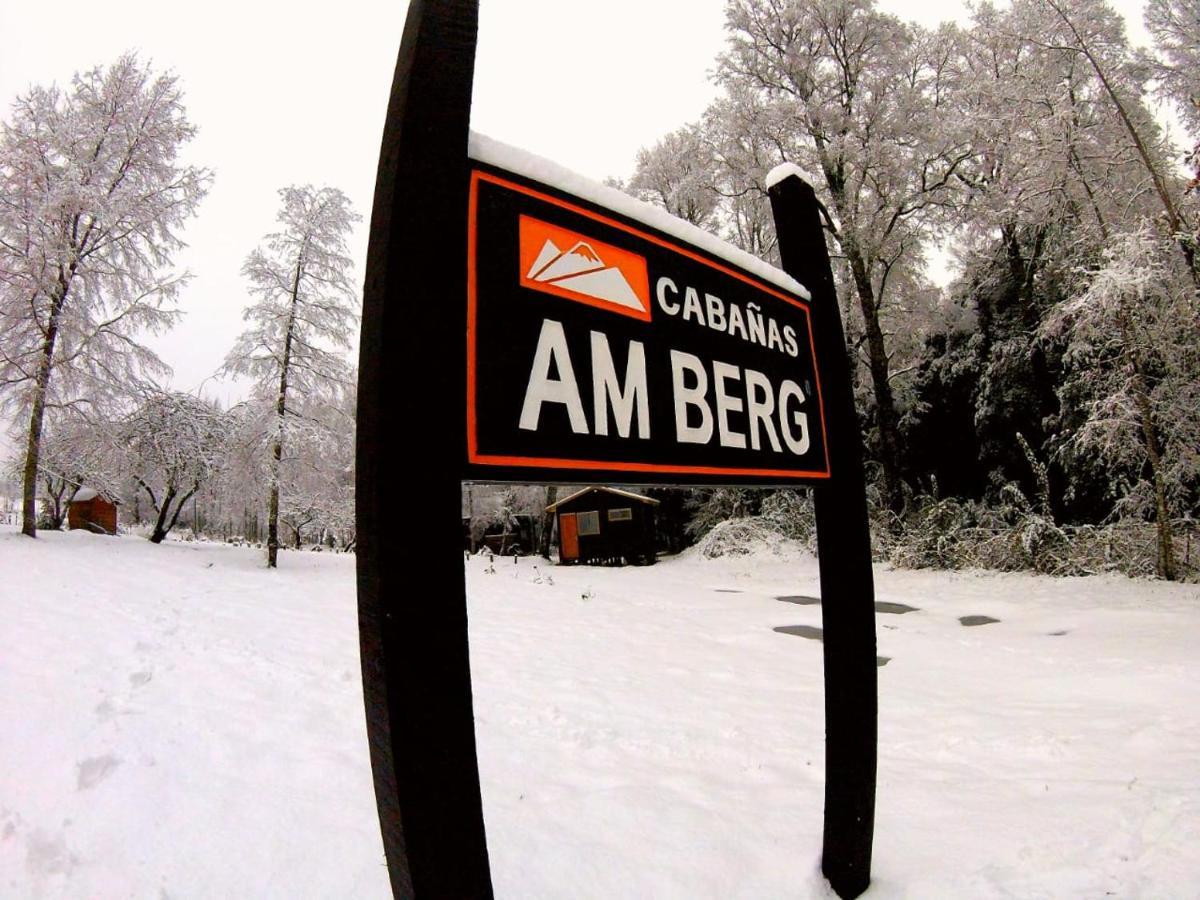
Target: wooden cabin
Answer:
pixel 604 525
pixel 93 511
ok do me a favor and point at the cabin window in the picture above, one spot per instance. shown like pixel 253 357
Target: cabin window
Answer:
pixel 589 522
pixel 620 515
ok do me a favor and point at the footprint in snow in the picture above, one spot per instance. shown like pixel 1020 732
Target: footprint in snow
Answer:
pixel 800 600
pixel 817 634
pixel 137 679
pixel 895 609
pixel 971 621
pixel 48 855
pixel 94 770
pixel 805 631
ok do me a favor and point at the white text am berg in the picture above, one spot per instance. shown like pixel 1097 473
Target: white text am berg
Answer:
pixel 774 418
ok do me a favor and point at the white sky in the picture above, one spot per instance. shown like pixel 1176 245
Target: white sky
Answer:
pixel 285 93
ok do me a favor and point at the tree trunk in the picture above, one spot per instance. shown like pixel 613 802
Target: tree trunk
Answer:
pixel 877 358
pixel 273 510
pixel 280 412
pixel 57 510
pixel 33 446
pixel 175 517
pixel 160 526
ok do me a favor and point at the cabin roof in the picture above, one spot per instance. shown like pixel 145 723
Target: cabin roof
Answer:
pixel 608 490
pixel 84 494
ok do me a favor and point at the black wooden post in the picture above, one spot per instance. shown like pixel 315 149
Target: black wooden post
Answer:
pixel 844 544
pixel 411 453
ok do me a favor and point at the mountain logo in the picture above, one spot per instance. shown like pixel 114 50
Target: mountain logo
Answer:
pixel 561 262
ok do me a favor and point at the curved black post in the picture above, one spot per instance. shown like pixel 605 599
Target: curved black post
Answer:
pixel 410 456
pixel 844 543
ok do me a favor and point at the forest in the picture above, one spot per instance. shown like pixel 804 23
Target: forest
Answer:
pixel 1011 206
pixel 1042 409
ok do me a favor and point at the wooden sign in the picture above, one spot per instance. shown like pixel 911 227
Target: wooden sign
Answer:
pixel 515 329
pixel 600 349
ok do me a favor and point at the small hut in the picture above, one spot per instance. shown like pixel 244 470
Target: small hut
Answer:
pixel 605 525
pixel 92 510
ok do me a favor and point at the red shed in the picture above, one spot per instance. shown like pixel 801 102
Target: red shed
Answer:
pixel 92 510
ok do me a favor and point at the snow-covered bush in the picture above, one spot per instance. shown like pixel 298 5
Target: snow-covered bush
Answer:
pixel 932 536
pixel 791 513
pixel 740 537
pixel 709 508
pixel 1011 536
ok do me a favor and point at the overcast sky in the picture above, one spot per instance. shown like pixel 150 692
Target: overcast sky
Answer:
pixel 284 95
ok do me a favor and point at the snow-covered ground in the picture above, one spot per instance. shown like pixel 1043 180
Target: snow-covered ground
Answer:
pixel 176 721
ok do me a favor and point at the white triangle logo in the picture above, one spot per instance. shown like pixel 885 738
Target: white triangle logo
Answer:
pixel 581 269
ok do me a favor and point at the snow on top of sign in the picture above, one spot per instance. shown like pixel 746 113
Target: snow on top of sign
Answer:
pixel 84 494
pixel 783 170
pixel 520 162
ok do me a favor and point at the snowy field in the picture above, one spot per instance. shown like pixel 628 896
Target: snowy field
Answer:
pixel 176 721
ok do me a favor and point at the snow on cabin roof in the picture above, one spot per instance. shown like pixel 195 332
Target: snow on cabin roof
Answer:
pixel 520 162
pixel 84 494
pixel 610 490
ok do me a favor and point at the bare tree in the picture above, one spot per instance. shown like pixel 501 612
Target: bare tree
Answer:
pixel 306 313
pixel 92 195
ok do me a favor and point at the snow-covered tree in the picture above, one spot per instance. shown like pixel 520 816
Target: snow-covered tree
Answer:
pixel 678 174
pixel 92 197
pixel 75 453
pixel 1054 174
pixel 1094 31
pixel 240 489
pixel 1133 368
pixel 1175 26
pixel 305 314
pixel 317 470
pixel 173 443
pixel 744 146
pixel 859 98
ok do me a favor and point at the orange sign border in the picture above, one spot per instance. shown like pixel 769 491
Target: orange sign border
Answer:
pixel 477 458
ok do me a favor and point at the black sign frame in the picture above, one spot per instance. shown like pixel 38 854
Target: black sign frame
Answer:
pixel 412 385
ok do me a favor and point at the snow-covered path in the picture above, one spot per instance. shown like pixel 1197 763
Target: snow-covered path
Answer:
pixel 179 722
pixel 663 734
